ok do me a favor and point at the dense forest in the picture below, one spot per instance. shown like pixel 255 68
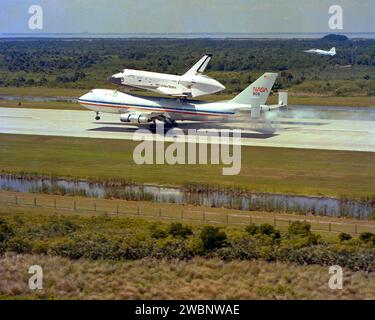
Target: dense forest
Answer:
pixel 87 63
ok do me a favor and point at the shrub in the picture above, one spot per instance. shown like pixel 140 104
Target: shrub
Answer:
pixel 2 248
pixel 298 228
pixel 178 230
pixel 58 227
pixel 157 232
pixel 313 239
pixel 264 229
pixel 6 231
pixel 268 230
pixel 242 248
pixel 252 229
pixel 40 247
pixel 344 237
pixel 19 245
pixel 367 237
pixel 213 238
pixel 66 249
pixel 172 248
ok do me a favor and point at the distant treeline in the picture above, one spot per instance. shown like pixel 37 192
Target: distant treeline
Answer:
pixel 85 63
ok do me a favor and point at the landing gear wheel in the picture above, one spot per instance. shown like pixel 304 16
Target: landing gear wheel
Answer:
pixel 97 116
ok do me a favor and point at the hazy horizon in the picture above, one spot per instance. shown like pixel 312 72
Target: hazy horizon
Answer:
pixel 199 16
pixel 212 35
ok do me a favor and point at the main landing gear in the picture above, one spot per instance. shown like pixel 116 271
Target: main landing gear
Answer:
pixel 167 125
pixel 171 124
pixel 97 116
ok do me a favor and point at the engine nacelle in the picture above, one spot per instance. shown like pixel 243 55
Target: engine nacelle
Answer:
pixel 134 118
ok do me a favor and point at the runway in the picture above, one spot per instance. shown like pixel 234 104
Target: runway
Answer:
pixel 285 131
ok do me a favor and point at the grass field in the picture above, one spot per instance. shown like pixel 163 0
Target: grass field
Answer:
pixel 294 98
pixel 293 171
pixel 153 278
pixel 96 256
pixel 42 92
pixel 195 279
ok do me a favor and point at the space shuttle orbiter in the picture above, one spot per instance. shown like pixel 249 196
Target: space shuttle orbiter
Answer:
pixel 191 84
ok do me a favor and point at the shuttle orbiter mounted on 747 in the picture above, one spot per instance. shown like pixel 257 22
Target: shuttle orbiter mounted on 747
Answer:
pixel 190 85
pixel 140 109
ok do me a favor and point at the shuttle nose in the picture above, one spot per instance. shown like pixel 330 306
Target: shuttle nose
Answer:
pixel 217 85
pixel 116 79
pixel 220 85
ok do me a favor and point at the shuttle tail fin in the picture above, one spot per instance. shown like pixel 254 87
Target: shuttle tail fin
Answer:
pixel 333 50
pixel 200 66
pixel 258 91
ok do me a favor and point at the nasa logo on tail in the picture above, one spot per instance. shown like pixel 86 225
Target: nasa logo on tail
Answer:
pixel 258 90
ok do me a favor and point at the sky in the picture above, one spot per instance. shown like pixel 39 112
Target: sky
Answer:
pixel 186 16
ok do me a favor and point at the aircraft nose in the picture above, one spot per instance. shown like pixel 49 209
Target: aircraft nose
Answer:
pixel 84 97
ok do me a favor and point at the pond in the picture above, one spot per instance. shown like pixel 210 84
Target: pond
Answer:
pixel 212 198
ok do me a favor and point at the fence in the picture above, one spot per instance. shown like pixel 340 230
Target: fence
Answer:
pixel 118 207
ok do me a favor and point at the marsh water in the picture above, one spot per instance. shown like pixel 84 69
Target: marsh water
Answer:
pixel 212 198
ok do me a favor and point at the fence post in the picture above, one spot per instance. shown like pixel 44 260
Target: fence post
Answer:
pixel 204 216
pixel 55 203
pixel 182 214
pixel 34 201
pixel 117 209
pixel 16 200
pixel 274 222
pixel 355 229
pixel 95 206
pixel 74 205
pixel 138 211
pixel 159 212
pixel 329 227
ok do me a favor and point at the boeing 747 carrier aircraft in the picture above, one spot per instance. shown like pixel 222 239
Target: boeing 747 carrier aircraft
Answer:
pixel 140 109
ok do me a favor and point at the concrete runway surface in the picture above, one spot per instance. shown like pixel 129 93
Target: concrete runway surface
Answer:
pixel 288 132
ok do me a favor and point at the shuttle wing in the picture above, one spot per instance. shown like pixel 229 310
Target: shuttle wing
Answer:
pixel 200 66
pixel 171 92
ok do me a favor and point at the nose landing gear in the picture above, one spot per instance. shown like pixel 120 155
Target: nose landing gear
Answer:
pixel 97 116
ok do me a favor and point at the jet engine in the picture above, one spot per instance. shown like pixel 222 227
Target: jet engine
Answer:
pixel 134 118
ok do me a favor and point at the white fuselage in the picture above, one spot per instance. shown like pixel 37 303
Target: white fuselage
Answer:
pixel 321 52
pixel 112 101
pixel 184 86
